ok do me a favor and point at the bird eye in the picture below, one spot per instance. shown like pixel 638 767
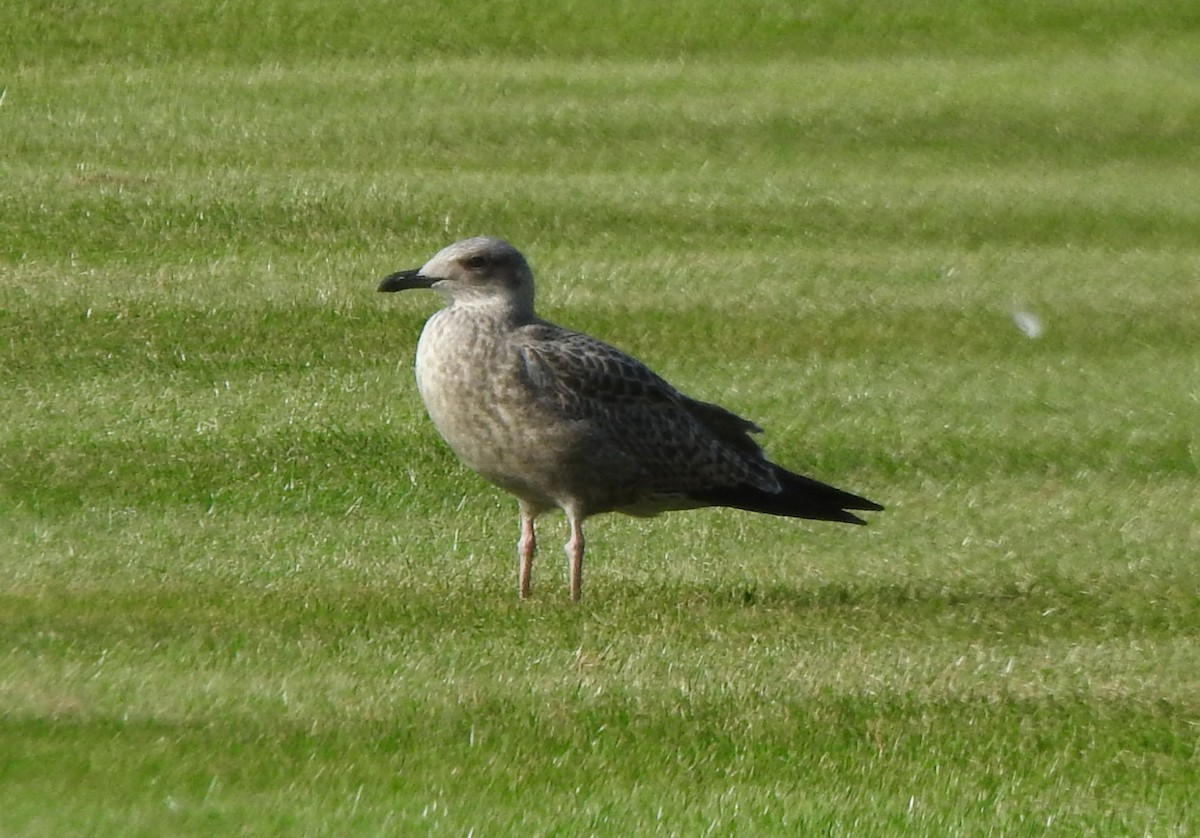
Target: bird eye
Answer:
pixel 476 262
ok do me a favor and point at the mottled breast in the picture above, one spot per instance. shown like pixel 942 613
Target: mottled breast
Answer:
pixel 472 382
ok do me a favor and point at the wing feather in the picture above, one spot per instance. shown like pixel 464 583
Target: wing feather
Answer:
pixel 682 442
pixel 578 369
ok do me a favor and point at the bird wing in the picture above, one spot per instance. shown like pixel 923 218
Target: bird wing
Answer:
pixel 688 452
pixel 585 374
pixel 576 366
pixel 584 378
pixel 726 425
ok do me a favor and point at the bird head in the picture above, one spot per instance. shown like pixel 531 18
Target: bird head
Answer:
pixel 472 271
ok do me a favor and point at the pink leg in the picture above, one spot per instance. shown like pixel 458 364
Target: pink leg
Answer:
pixel 575 554
pixel 525 548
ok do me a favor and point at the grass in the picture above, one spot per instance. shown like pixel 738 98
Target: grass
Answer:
pixel 247 589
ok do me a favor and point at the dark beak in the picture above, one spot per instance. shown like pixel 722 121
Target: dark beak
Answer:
pixel 403 280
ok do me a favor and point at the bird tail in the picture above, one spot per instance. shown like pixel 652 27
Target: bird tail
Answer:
pixel 798 497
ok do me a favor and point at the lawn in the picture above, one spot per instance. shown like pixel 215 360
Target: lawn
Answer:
pixel 248 590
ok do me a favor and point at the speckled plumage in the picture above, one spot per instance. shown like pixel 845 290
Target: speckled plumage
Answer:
pixel 561 419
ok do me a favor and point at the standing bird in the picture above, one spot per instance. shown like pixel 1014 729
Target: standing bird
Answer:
pixel 560 419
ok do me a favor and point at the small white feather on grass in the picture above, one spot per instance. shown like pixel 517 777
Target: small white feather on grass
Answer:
pixel 1029 324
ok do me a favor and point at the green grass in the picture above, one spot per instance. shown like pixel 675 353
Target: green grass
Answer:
pixel 247 589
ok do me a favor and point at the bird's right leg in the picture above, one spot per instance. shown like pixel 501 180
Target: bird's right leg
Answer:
pixel 525 549
pixel 574 548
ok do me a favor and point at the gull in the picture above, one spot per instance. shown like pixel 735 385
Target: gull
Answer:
pixel 563 420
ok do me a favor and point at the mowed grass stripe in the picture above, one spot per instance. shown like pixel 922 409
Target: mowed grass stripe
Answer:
pixel 879 744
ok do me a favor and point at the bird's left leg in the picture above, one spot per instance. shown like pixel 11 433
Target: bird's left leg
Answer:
pixel 574 548
pixel 525 549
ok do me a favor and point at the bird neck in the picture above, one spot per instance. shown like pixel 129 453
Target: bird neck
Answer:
pixel 509 310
